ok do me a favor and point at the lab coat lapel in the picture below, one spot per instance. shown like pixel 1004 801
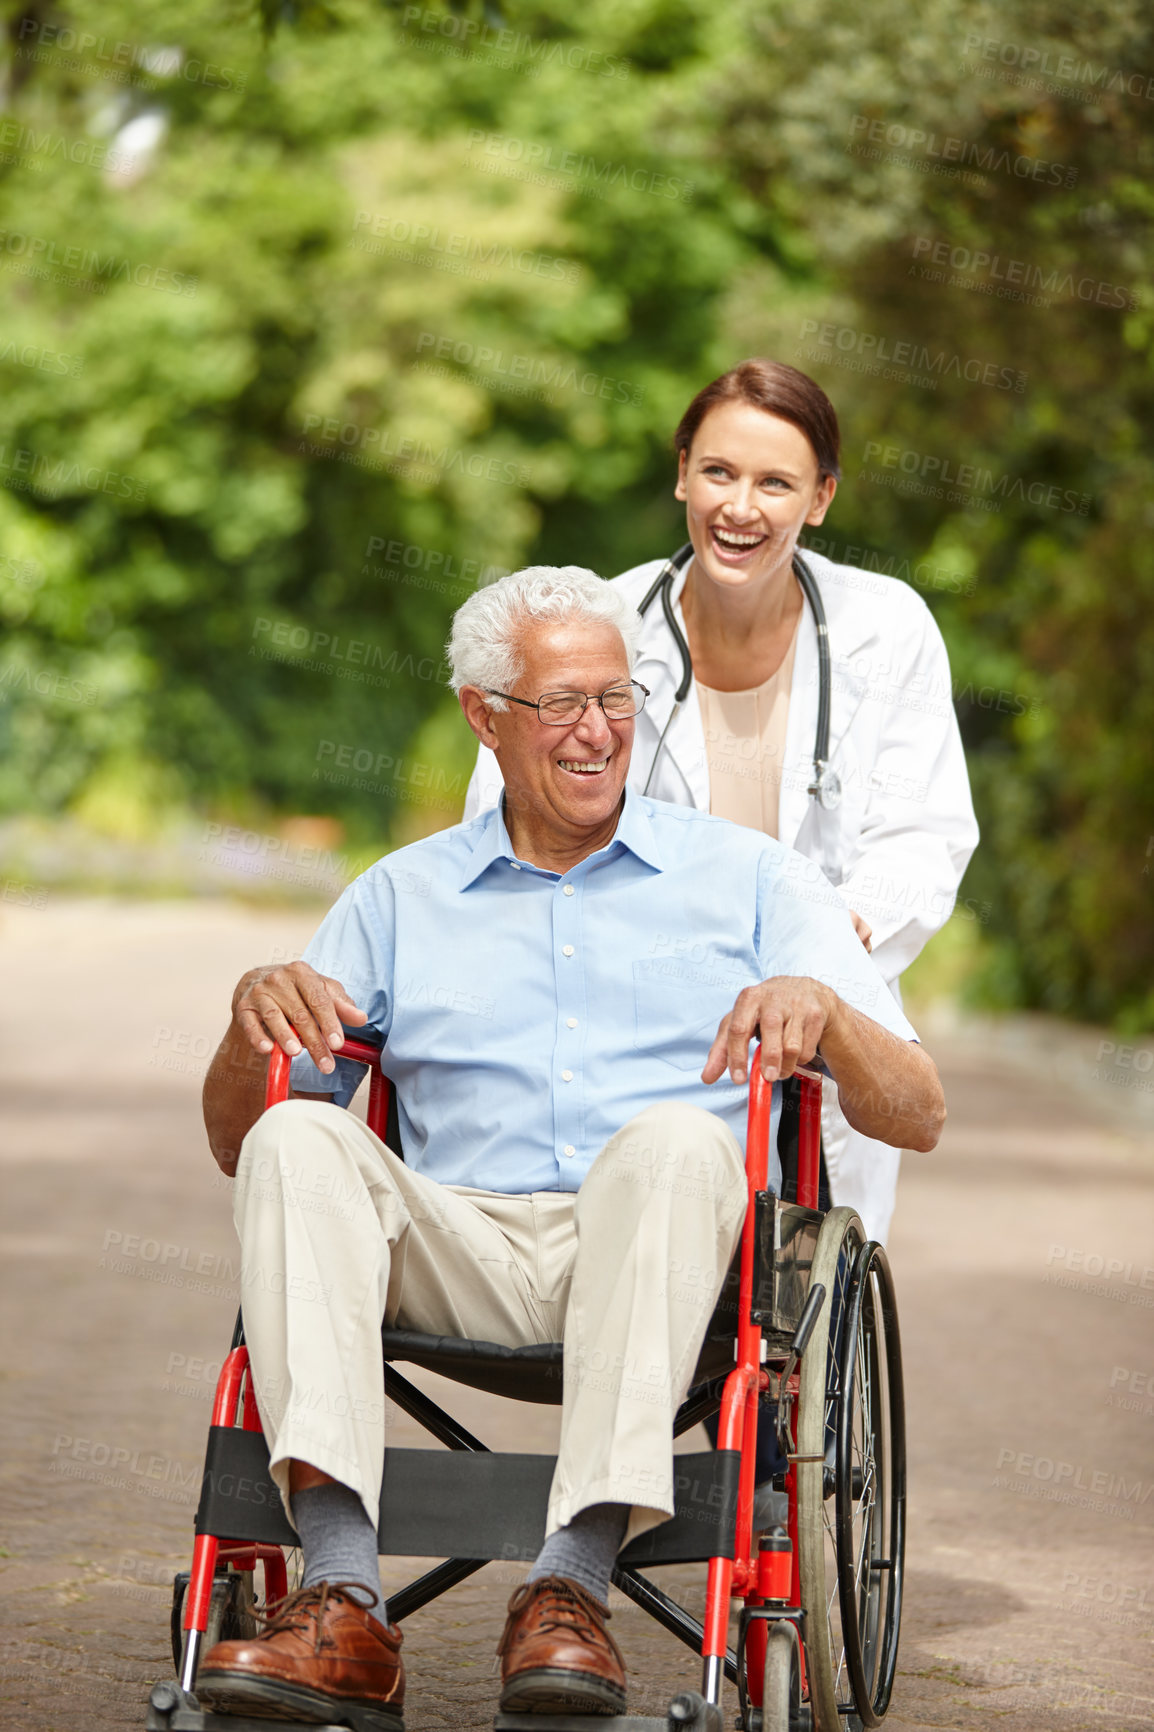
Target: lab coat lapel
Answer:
pixel 858 659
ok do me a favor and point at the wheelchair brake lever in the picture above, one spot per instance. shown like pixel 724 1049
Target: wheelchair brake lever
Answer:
pixel 806 1324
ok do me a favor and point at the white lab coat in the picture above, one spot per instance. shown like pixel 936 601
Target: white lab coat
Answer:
pixel 897 844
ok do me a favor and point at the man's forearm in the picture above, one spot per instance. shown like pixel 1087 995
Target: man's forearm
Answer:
pixel 233 1097
pixel 888 1087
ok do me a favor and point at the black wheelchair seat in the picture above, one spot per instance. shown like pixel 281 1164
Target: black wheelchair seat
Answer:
pixel 530 1373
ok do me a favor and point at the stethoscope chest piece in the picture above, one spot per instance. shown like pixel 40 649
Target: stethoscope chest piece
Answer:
pixel 826 787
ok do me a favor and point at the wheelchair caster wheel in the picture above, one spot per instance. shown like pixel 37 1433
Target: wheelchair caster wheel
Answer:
pixel 689 1712
pixel 781 1680
pixel 230 1612
pixel 170 1707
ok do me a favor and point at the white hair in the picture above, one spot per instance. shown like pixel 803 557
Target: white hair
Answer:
pixel 485 646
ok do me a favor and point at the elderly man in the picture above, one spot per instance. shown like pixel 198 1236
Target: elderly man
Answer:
pixel 559 1036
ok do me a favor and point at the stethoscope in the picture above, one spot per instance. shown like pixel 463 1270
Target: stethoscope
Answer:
pixel 826 785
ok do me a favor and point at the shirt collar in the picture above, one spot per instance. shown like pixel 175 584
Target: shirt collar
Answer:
pixel 634 831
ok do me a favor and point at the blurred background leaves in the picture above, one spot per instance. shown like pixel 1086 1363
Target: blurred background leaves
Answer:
pixel 313 315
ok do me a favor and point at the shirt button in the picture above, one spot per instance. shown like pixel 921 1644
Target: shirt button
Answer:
pixel 571 1022
pixel 566 1076
pixel 568 889
pixel 569 1149
pixel 516 865
pixel 566 950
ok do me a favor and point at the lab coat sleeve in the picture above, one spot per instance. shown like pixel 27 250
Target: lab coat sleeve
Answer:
pixel 903 867
pixel 485 784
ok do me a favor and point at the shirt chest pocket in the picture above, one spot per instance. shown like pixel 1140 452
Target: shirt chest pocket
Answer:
pixel 677 1006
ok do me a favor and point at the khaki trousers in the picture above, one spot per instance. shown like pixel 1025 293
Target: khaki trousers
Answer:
pixel 337 1234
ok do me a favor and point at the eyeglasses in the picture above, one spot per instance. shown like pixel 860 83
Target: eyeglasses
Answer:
pixel 563 709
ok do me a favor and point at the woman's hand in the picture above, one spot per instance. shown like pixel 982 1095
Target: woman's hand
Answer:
pixel 863 929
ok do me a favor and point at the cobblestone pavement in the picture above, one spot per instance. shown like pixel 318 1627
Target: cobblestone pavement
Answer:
pixel 1025 1268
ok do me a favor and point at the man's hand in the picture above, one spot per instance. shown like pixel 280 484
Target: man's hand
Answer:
pixel 888 1088
pixel 269 1003
pixel 267 1006
pixel 791 1013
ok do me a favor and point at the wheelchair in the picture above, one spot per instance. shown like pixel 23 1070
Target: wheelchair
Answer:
pixel 807 1325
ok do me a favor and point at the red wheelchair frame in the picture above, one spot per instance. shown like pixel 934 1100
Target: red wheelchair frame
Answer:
pixel 765 1576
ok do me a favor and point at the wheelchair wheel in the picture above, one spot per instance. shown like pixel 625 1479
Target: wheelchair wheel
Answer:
pixel 230 1612
pixel 870 1488
pixel 851 1487
pixel 781 1687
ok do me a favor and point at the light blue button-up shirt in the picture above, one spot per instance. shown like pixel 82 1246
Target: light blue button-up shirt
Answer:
pixel 527 1015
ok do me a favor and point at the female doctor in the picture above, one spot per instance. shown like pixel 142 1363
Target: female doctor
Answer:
pixel 803 698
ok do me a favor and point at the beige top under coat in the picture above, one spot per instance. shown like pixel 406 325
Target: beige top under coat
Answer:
pixel 745 745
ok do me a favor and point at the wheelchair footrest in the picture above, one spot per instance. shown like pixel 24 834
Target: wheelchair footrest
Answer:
pixel 171 1709
pixel 689 1712
pixel 579 1723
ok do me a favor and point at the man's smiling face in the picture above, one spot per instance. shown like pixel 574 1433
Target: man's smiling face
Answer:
pixel 563 785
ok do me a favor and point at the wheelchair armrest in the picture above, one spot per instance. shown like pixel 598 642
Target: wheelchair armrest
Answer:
pixel 359 1051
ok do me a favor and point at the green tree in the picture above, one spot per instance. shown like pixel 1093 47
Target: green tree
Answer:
pixel 314 317
pixel 384 307
pixel 972 184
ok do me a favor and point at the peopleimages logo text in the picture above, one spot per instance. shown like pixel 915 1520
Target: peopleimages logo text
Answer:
pixel 1065 68
pixel 102 267
pixel 1021 274
pixel 549 158
pixel 968 153
pixel 943 472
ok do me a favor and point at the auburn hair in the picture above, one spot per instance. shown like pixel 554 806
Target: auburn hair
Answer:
pixel 779 390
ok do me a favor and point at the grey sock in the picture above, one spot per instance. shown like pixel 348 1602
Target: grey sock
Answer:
pixel 338 1540
pixel 585 1548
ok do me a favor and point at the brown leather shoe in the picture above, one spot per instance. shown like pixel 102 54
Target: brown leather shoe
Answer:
pixel 321 1657
pixel 556 1654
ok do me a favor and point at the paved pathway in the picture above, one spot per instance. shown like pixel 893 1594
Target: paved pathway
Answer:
pixel 1025 1266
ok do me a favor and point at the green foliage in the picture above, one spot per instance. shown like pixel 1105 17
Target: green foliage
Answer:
pixel 350 335
pixel 398 296
pixel 903 149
